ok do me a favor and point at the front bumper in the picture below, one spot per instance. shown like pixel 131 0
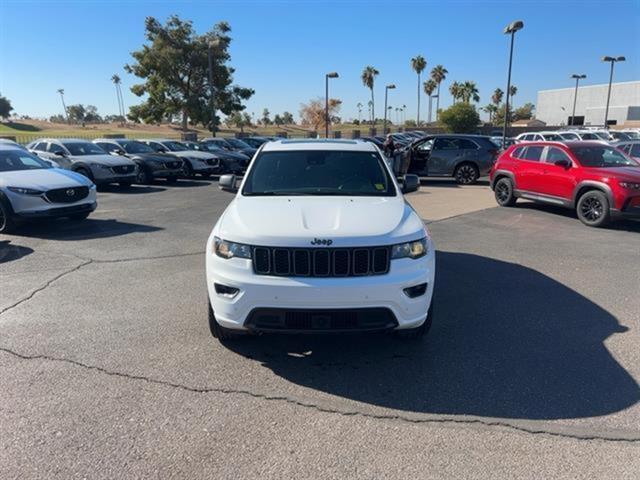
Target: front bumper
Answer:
pixel 57 211
pixel 319 294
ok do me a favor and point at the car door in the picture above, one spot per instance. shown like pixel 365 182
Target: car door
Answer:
pixel 530 170
pixel 444 156
pixel 559 180
pixel 59 154
pixel 420 154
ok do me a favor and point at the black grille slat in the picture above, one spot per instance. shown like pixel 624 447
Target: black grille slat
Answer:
pixel 67 195
pixel 321 320
pixel 321 262
pixel 123 169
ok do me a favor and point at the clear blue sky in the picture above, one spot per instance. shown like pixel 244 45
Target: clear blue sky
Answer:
pixel 283 48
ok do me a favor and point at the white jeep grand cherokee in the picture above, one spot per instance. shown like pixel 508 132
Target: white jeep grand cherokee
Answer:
pixel 319 239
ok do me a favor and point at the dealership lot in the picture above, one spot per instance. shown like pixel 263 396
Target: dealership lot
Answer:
pixel 531 368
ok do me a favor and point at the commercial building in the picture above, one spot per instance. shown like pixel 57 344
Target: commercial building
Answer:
pixel 554 107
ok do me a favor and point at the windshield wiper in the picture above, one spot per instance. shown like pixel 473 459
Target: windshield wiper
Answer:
pixel 275 193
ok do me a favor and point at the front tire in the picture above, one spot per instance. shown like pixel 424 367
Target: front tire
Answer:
pixel 593 209
pixel 422 330
pixel 466 174
pixel 503 191
pixel 187 170
pixel 143 177
pixel 7 225
pixel 221 333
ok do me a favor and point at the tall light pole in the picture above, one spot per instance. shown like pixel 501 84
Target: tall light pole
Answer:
pixel 64 107
pixel 326 101
pixel 391 86
pixel 575 96
pixel 214 43
pixel 612 60
pixel 510 29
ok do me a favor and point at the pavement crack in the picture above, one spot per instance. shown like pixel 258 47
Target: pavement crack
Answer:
pixel 489 423
pixel 46 285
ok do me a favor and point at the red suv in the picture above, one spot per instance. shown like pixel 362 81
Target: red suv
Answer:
pixel 595 179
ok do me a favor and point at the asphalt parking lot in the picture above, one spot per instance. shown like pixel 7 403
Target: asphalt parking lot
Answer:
pixel 108 368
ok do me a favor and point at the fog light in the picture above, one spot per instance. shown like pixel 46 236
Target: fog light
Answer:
pixel 416 290
pixel 225 290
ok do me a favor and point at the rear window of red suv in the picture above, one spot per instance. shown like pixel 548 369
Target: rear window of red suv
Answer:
pixel 602 156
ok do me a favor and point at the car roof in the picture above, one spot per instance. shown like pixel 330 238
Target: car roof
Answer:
pixel 319 144
pixel 11 146
pixel 113 140
pixel 159 140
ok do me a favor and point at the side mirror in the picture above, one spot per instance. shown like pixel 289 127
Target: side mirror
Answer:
pixel 564 163
pixel 410 183
pixel 119 151
pixel 228 183
pixel 60 153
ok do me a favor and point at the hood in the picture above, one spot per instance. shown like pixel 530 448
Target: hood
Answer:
pixel 229 155
pixel 152 157
pixel 631 174
pixel 106 159
pixel 43 179
pixel 296 221
pixel 194 154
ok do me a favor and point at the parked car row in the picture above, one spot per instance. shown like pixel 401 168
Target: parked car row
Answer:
pixel 579 134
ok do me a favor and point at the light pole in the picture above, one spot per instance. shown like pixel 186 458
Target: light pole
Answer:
pixel 326 101
pixel 511 29
pixel 212 44
pixel 386 93
pixel 64 107
pixel 575 96
pixel 612 60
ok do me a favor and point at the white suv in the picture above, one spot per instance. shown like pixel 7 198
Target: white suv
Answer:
pixel 319 238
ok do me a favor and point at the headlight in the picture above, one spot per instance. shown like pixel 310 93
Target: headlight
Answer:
pixel 630 185
pixel 225 249
pixel 414 249
pixel 25 191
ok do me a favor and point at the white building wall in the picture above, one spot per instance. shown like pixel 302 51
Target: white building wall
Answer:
pixel 554 107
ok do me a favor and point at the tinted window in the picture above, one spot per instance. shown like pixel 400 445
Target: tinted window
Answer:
pixel 517 153
pixel 83 148
pixel 589 136
pixel 532 153
pixel 601 156
pixel 108 147
pixel 552 137
pixel 176 146
pixel 635 150
pixel 156 146
pixel 465 144
pixel 554 154
pixel 132 146
pixel 445 144
pixel 11 160
pixel 55 148
pixel 319 173
pixel 40 146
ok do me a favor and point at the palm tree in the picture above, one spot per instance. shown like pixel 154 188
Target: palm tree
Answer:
pixel 512 91
pixel 470 92
pixel 491 109
pixel 496 98
pixel 430 87
pixel 368 79
pixel 64 107
pixel 438 74
pixel 116 81
pixel 359 107
pixel 369 106
pixel 455 89
pixel 418 64
pixel 404 115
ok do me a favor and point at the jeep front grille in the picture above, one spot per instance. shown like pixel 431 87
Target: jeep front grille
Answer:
pixel 320 262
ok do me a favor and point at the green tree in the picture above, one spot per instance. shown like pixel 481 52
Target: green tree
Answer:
pixel 368 77
pixel 460 118
pixel 497 96
pixel 239 120
pixel 430 87
pixel 287 118
pixel 277 119
pixel 76 113
pixel 491 109
pixel 438 74
pixel 470 92
pixel 91 114
pixel 498 117
pixel 5 107
pixel 174 66
pixel 512 91
pixel 525 112
pixel 266 120
pixel 418 64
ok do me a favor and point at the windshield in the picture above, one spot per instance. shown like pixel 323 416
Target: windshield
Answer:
pixel 570 136
pixel 175 146
pixel 19 159
pixel 553 137
pixel 211 146
pixel 602 135
pixel 319 173
pixel 131 146
pixel 83 148
pixel 238 143
pixel 601 156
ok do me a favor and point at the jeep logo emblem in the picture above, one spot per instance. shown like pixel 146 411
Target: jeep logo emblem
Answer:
pixel 321 241
pixel 71 192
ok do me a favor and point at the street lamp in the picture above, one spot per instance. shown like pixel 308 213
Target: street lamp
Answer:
pixel 326 101
pixel 612 60
pixel 391 86
pixel 214 43
pixel 511 29
pixel 575 96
